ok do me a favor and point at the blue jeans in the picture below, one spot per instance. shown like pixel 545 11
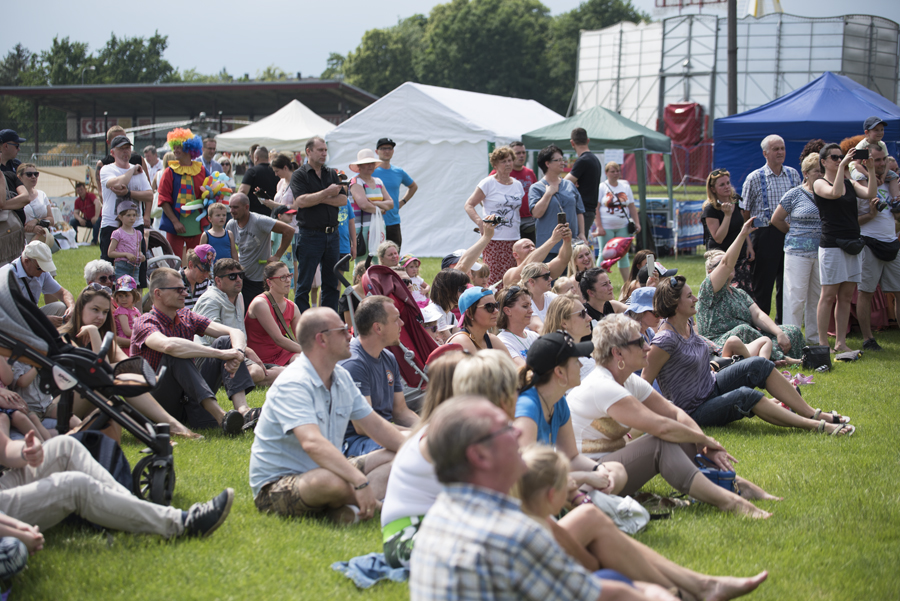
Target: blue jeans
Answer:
pixel 734 394
pixel 315 248
pixel 127 268
pixel 96 228
pixel 357 444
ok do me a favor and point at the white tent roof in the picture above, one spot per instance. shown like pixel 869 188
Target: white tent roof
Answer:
pixel 442 138
pixel 289 128
pixel 419 113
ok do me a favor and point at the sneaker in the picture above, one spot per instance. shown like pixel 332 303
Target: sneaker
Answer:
pixel 872 345
pixel 233 422
pixel 203 518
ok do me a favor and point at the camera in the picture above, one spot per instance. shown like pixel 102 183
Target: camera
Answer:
pixel 46 224
pixel 496 220
pixel 344 183
pixel 881 204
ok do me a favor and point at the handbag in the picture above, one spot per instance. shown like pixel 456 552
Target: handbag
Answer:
pixel 361 247
pixel 815 357
pixel 883 251
pixel 630 227
pixel 629 516
pixel 280 317
pixel 722 478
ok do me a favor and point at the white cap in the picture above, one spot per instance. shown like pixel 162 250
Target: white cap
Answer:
pixel 40 252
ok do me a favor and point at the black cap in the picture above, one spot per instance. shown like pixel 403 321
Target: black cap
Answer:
pixel 120 141
pixel 869 124
pixel 643 277
pixel 9 135
pixel 282 209
pixel 554 349
pixel 385 142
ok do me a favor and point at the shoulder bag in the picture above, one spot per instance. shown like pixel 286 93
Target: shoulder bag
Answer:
pixel 280 317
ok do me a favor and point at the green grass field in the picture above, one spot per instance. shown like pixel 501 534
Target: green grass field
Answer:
pixel 835 536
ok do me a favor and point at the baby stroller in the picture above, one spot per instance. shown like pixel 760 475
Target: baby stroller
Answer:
pixel 382 280
pixel 26 335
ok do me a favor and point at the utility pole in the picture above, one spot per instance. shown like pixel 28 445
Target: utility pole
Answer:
pixel 732 57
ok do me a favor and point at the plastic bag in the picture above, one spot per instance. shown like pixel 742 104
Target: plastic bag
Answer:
pixel 629 515
pixel 377 232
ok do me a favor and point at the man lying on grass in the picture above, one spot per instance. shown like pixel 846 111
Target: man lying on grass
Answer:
pixel 296 466
pixel 48 482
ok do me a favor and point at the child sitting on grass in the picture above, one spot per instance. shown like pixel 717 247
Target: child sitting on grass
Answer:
pixel 125 244
pixel 127 298
pixel 34 403
pixel 217 236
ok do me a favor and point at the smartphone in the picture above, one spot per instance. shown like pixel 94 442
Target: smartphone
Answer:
pixel 651 262
pixel 561 218
pixel 861 154
pixel 760 222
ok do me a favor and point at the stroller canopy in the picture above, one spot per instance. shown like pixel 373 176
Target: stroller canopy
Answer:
pixel 21 319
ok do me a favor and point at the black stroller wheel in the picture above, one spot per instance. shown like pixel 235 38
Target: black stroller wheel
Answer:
pixel 154 479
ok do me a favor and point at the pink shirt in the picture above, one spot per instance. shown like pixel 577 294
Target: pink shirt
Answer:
pixel 127 243
pixel 131 314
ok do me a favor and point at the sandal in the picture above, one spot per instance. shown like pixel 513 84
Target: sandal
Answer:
pixel 844 430
pixel 836 418
pixel 251 418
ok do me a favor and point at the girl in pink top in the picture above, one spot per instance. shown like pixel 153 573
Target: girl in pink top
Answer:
pixel 127 296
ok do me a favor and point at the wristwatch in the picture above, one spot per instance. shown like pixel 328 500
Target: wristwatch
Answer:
pixel 361 486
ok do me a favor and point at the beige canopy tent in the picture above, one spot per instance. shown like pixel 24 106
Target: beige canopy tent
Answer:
pixel 287 129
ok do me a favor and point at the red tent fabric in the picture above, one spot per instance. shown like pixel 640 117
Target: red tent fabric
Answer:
pixel 379 279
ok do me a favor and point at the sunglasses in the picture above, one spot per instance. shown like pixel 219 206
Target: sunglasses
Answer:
pixel 235 275
pixel 718 172
pixel 12 144
pixel 544 276
pixel 674 283
pixel 639 342
pixel 510 295
pixel 489 307
pixel 106 278
pixel 31 174
pixel 98 288
pixel 836 157
pixel 490 436
pixel 582 314
pixel 225 164
pixel 177 289
pixel 344 328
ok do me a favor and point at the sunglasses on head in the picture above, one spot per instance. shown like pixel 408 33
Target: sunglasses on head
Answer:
pixel 489 307
pixel 674 283
pixel 582 314
pixel 718 172
pixel 511 293
pixel 98 288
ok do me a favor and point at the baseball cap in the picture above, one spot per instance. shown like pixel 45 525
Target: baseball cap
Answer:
pixel 120 141
pixel 643 274
pixel 453 258
pixel 282 210
pixel 642 300
pixel 207 256
pixel 554 349
pixel 869 124
pixel 10 135
pixel 126 205
pixel 431 312
pixel 385 142
pixel 471 297
pixel 40 252
pixel 126 283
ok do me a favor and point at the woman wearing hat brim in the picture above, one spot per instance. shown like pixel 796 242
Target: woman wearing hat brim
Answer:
pixel 542 415
pixel 479 312
pixel 368 192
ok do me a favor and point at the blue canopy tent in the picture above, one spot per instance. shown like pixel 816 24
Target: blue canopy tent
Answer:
pixel 831 107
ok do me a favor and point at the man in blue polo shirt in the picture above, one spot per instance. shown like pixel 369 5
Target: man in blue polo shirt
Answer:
pixel 392 177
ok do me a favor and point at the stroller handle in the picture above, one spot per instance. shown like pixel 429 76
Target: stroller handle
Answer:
pixel 339 270
pixel 107 344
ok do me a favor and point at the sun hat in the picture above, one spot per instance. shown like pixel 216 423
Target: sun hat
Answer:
pixel 471 296
pixel 407 259
pixel 364 157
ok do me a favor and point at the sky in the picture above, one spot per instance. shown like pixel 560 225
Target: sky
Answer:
pixel 246 37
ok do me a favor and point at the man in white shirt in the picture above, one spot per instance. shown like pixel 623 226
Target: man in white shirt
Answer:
pixel 209 151
pixel 154 163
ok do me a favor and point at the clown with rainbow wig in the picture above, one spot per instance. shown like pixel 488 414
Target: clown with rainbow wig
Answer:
pixel 181 184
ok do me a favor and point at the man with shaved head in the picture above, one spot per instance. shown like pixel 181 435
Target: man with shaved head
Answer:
pixel 296 466
pixel 260 181
pixel 525 252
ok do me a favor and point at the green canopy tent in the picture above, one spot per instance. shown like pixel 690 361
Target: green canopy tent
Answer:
pixel 608 129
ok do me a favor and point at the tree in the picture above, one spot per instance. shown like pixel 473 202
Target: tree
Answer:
pixel 17 60
pixel 271 73
pixel 194 76
pixel 334 67
pixel 387 57
pixel 135 60
pixel 61 65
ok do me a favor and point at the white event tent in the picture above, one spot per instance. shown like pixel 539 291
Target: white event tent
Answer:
pixel 442 138
pixel 287 129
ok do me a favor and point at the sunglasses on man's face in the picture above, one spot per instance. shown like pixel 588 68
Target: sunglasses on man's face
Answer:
pixel 235 275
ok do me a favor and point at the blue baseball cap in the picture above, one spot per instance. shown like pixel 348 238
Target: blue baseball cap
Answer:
pixel 642 300
pixel 471 297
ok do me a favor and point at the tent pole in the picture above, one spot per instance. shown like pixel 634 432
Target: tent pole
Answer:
pixel 667 160
pixel 640 161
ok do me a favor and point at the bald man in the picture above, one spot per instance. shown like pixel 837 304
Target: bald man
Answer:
pixel 525 253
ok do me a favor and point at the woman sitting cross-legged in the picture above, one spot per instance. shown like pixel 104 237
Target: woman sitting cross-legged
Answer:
pixel 727 311
pixel 590 537
pixel 613 400
pixel 679 361
pixel 266 333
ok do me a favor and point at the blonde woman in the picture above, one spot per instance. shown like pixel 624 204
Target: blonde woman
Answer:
pixel 722 224
pixel 591 538
pixel 38 208
pixel 536 280
pixel 568 314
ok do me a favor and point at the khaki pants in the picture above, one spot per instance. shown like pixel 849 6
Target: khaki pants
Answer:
pixel 70 481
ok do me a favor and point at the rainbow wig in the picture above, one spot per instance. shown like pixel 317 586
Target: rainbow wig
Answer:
pixel 186 139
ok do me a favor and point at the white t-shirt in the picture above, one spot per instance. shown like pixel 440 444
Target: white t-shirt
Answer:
pixel 503 201
pixel 542 313
pixel 38 208
pixel 138 183
pixel 412 487
pixel 152 170
pixel 448 318
pixel 595 432
pixel 518 347
pixel 880 227
pixel 613 200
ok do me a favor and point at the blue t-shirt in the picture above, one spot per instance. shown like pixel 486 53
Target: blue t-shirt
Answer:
pixel 529 405
pixel 377 379
pixel 567 199
pixel 344 215
pixel 392 178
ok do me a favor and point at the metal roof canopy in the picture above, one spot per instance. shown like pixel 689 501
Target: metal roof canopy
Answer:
pixel 324 97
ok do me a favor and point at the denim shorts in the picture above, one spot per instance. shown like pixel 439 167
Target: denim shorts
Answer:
pixel 734 395
pixel 357 444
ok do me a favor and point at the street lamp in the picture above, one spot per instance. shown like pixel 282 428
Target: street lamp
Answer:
pixel 91 68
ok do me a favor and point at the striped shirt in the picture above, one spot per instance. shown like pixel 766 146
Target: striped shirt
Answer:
pixel 186 325
pixel 476 543
pixel 199 288
pixel 802 240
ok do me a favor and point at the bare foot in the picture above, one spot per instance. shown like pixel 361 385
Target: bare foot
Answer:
pixel 787 361
pixel 843 348
pixel 746 508
pixel 188 435
pixel 749 490
pixel 721 588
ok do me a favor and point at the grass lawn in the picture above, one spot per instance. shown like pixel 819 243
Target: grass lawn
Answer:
pixel 835 536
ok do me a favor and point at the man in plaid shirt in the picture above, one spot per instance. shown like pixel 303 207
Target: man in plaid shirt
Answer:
pixel 762 192
pixel 475 542
pixel 165 336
